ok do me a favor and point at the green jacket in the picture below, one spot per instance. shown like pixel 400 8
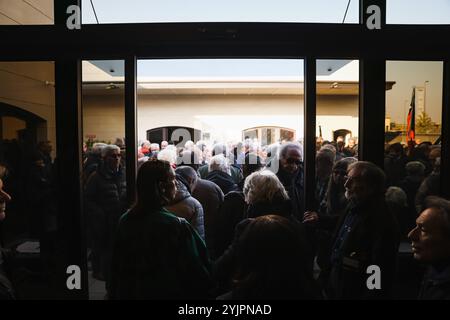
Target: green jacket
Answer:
pixel 158 256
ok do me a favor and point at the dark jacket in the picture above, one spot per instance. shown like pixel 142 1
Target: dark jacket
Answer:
pixel 436 284
pixel 105 201
pixel 158 256
pixel 225 266
pixel 232 211
pixel 187 207
pixel 294 187
pixel 236 173
pixel 372 240
pixel 211 198
pixel 223 180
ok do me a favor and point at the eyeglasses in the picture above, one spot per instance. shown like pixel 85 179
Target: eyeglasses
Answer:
pixel 293 161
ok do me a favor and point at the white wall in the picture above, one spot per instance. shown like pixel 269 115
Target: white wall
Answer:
pixel 226 115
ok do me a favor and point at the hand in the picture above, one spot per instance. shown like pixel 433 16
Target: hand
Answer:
pixel 310 217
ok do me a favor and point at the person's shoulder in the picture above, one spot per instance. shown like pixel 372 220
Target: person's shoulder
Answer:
pixel 234 195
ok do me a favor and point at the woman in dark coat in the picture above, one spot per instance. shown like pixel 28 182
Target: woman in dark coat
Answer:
pixel 158 255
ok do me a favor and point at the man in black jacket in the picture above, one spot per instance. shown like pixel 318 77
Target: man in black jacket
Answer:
pixel 431 244
pixel 105 202
pixel 366 239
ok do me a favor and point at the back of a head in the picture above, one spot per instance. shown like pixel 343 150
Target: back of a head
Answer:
pixel 272 260
pixel 109 149
pixel 219 163
pixel 284 149
pixel 168 154
pixel 264 186
pixel 443 205
pixel 252 163
pixel 343 164
pixel 415 168
pixel 187 172
pixel 189 158
pixel 218 149
pixel 150 174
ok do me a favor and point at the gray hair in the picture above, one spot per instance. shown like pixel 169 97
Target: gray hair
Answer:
pixel 154 146
pixel 397 197
pixel 97 148
pixel 108 149
pixel 415 168
pixel 168 154
pixel 290 145
pixel 220 163
pixel 263 186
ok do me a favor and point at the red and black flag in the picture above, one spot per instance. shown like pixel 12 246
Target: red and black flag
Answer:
pixel 411 121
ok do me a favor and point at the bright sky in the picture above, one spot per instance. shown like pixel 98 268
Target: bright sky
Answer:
pixel 332 11
pixel 116 11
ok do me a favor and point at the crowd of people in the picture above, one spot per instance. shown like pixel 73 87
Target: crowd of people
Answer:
pixel 229 221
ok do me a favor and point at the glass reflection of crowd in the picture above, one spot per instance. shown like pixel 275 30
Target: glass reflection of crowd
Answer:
pixel 28 176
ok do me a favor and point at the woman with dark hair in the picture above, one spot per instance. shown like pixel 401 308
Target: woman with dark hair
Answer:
pixel 272 262
pixel 158 255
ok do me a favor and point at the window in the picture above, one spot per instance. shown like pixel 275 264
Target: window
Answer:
pixel 139 11
pixel 417 12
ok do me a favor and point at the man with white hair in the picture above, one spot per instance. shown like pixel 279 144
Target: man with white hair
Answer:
pixel 105 202
pixel 234 171
pixel 93 160
pixel 290 173
pixel 219 173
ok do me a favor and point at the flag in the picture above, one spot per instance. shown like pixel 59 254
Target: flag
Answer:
pixel 411 121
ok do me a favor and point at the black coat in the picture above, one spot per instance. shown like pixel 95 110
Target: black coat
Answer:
pixel 373 240
pixel 225 266
pixel 223 180
pixel 436 285
pixel 294 187
pixel 105 202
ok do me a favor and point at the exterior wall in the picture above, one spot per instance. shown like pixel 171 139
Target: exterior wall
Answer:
pixel 26 86
pixel 103 116
pixel 337 112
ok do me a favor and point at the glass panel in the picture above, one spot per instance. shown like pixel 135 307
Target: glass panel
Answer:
pixel 327 11
pixel 104 164
pixel 29 12
pixel 417 12
pixel 29 218
pixel 337 111
pixel 413 132
pixel 338 105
